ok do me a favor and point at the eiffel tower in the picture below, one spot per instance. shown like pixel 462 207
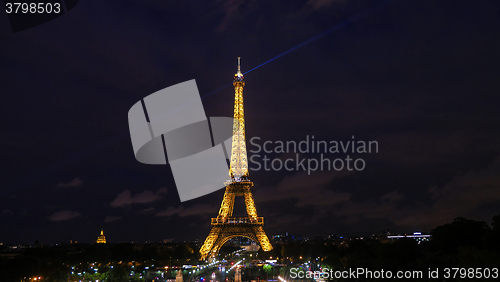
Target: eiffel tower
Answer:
pixel 225 226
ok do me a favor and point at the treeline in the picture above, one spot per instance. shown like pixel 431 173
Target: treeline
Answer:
pixel 463 243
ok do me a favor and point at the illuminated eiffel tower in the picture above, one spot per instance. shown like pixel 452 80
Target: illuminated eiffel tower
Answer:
pixel 225 226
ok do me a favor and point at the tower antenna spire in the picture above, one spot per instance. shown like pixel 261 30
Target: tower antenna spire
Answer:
pixel 239 69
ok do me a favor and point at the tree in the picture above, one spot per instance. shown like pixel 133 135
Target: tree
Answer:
pixel 269 269
pixel 495 236
pixel 496 223
pixel 461 232
pixel 118 274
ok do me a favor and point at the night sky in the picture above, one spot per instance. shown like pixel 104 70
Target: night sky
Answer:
pixel 422 78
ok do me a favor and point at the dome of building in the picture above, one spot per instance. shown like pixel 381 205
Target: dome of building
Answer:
pixel 101 239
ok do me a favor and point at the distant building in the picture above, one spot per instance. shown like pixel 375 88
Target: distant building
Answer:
pixel 101 239
pixel 253 247
pixel 418 236
pixel 289 238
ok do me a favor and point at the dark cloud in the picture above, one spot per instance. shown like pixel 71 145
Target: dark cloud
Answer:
pixel 148 210
pixel 76 182
pixel 292 186
pixel 464 195
pixel 125 198
pixel 195 210
pixel 63 215
pixel 419 77
pixel 111 218
pixel 319 4
pixel 234 11
pixel 7 212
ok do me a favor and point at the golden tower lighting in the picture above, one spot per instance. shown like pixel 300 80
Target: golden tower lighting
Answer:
pixel 101 239
pixel 225 226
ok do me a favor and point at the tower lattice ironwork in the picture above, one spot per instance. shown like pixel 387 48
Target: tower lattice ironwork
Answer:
pixel 225 226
